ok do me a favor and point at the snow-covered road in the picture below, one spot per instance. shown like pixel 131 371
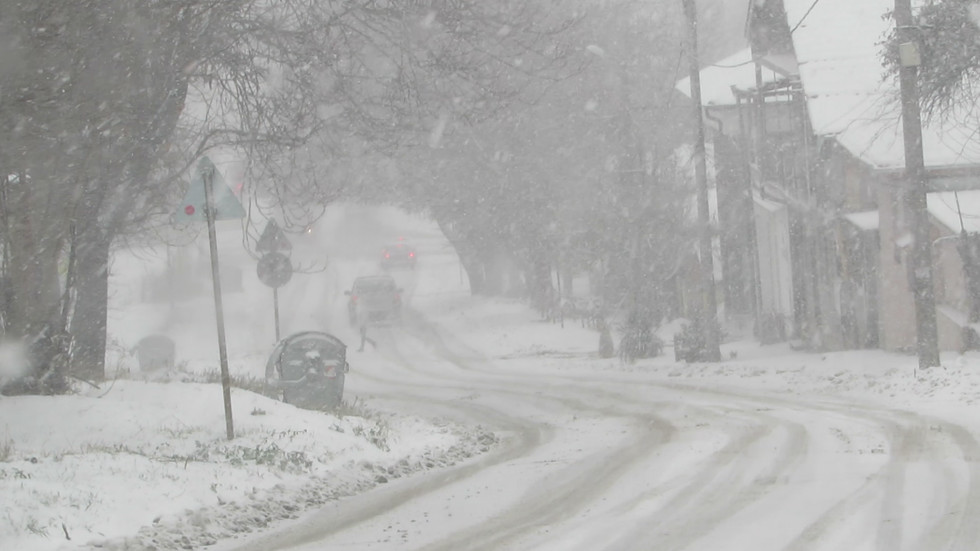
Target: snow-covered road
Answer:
pixel 597 455
pixel 622 460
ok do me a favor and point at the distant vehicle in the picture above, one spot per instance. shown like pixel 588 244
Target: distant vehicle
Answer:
pixel 308 369
pixel 373 299
pixel 398 255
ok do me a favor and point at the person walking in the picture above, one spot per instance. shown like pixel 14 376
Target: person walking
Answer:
pixel 365 338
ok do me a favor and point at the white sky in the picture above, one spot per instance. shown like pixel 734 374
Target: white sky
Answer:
pixel 504 432
pixel 957 210
pixel 838 47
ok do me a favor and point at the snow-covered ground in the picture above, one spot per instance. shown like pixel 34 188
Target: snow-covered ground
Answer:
pixel 475 425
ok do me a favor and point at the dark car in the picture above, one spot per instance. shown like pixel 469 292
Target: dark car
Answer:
pixel 398 255
pixel 374 299
pixel 307 370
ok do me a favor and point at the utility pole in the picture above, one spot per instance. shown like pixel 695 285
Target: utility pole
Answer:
pixel 927 339
pixel 709 310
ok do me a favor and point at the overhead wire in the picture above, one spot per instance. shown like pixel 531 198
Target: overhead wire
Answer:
pixel 805 15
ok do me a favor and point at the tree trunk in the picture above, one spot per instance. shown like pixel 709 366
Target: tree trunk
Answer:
pixel 474 270
pixel 32 297
pixel 469 256
pixel 494 271
pixel 541 289
pixel 89 319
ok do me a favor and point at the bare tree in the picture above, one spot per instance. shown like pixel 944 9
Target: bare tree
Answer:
pixel 580 173
pixel 106 103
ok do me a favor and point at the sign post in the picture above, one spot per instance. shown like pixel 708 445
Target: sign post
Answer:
pixel 274 269
pixel 225 207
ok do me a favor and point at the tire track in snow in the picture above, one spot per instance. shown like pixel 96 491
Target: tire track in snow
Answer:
pixel 694 510
pixel 914 440
pixel 727 461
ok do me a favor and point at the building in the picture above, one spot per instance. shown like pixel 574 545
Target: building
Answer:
pixel 811 123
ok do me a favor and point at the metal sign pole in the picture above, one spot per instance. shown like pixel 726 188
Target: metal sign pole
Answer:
pixel 275 306
pixel 209 213
pixel 274 268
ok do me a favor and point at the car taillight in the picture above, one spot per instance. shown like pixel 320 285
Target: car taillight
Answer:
pixel 411 254
pixel 353 298
pixel 387 254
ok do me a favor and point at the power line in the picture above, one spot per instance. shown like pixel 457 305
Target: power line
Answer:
pixel 805 15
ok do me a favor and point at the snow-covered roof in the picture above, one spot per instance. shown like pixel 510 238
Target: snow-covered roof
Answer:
pixel 838 49
pixel 717 80
pixel 950 207
pixel 865 220
pixel 770 206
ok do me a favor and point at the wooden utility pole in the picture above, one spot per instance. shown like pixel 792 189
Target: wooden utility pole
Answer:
pixel 927 339
pixel 709 308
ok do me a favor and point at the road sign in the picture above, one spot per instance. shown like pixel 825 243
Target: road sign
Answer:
pixel 273 239
pixel 226 205
pixel 274 269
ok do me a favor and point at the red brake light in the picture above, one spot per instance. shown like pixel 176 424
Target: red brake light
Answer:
pixel 411 254
pixel 387 254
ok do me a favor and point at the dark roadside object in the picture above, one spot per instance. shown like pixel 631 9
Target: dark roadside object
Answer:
pixel 156 353
pixel 307 370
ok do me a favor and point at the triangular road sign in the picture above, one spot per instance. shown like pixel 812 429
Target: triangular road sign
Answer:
pixel 273 239
pixel 226 205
